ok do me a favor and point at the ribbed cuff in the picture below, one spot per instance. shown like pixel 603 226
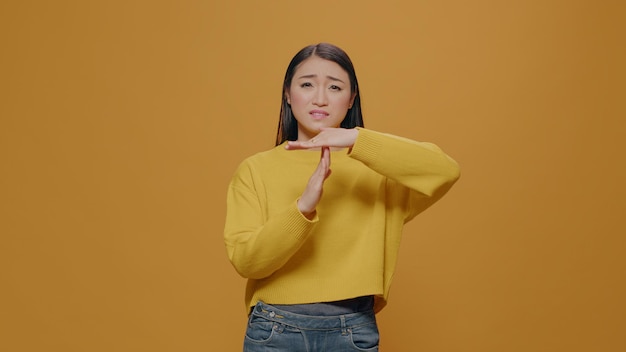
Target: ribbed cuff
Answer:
pixel 366 147
pixel 298 224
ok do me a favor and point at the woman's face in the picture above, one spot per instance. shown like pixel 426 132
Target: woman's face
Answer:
pixel 319 96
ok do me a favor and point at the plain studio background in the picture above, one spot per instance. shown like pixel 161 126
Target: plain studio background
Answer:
pixel 122 122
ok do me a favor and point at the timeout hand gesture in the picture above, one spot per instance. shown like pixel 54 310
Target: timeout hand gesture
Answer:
pixel 326 139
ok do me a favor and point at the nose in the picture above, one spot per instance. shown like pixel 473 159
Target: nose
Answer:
pixel 320 98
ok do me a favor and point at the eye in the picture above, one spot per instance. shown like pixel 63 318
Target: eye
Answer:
pixel 306 84
pixel 334 87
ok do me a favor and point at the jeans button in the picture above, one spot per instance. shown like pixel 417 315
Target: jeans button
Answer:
pixel 272 314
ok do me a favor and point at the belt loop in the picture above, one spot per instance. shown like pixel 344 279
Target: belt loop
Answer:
pixel 344 331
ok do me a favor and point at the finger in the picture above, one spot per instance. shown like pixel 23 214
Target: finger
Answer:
pixel 326 155
pixel 317 178
pixel 324 163
pixel 309 144
pixel 295 145
pixel 326 159
pixel 323 169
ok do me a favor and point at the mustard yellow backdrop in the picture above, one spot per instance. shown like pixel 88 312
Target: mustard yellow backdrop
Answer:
pixel 122 122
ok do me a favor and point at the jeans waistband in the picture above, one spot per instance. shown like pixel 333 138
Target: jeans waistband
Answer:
pixel 313 322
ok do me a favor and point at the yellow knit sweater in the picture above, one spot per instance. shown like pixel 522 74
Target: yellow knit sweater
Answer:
pixel 349 249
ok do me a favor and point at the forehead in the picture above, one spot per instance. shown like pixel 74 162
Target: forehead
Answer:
pixel 315 65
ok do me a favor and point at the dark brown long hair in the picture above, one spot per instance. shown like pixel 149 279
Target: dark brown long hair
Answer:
pixel 287 124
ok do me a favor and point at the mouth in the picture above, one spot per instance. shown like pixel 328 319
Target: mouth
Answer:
pixel 318 114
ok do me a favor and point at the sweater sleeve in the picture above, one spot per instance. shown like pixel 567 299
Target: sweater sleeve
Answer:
pixel 422 169
pixel 257 246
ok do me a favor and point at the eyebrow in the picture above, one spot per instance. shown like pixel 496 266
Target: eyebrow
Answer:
pixel 329 77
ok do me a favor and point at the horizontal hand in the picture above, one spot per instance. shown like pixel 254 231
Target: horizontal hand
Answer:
pixel 328 137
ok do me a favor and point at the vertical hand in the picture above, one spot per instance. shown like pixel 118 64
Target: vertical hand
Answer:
pixel 315 187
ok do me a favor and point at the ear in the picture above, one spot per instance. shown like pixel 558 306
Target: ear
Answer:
pixel 352 100
pixel 287 97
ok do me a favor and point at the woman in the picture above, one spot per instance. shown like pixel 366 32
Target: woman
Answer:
pixel 319 250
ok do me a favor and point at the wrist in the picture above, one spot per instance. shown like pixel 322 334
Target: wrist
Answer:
pixel 306 211
pixel 309 215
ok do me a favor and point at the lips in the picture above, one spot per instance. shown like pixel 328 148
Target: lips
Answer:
pixel 318 114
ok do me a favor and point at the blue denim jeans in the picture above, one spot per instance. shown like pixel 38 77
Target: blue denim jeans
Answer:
pixel 272 329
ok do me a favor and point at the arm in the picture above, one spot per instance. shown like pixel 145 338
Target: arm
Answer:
pixel 257 246
pixel 421 167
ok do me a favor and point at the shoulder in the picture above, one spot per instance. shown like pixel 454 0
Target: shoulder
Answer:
pixel 264 159
pixel 267 156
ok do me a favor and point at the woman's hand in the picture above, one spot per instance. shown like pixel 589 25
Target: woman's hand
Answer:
pixel 328 137
pixel 313 191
